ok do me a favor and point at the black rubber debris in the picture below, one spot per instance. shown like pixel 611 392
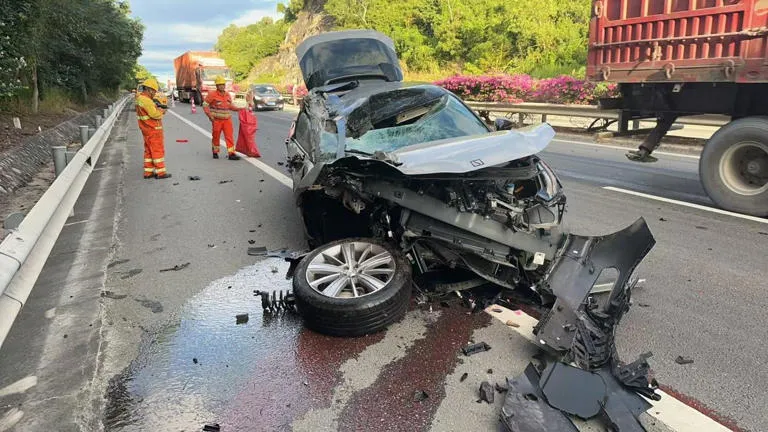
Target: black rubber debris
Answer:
pixel 662 220
pixel 259 226
pixel 194 360
pixel 487 393
pixel 212 427
pixel 177 267
pixel 701 227
pixel 251 241
pixel 644 305
pixel 681 360
pixel 463 377
pixel 257 251
pixel 420 395
pixel 490 371
pixel 251 231
pixel 763 233
pixel 194 178
pixel 225 181
pixel 176 183
pixel 241 318
pixel 211 246
pixel 113 296
pixel 502 388
pixel 281 163
pixel 475 348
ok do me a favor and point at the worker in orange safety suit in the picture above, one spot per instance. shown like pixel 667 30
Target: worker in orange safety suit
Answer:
pixel 218 107
pixel 151 124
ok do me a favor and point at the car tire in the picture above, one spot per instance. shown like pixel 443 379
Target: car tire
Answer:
pixel 343 314
pixel 721 171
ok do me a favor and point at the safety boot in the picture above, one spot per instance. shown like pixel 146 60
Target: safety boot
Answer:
pixel 234 157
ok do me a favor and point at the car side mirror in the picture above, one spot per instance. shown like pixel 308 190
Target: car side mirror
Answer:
pixel 503 124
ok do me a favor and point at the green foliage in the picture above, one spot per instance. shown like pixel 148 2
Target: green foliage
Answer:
pixel 540 37
pixel 290 10
pixel 242 47
pixel 78 46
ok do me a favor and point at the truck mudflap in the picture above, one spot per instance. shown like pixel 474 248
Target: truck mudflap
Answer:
pixel 582 375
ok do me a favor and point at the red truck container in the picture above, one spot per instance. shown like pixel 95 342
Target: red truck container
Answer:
pixel 193 85
pixel 674 58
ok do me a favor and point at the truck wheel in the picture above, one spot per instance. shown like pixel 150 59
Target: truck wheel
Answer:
pixel 734 166
pixel 352 287
pixel 198 99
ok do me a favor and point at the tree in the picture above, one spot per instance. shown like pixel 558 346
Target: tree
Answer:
pixel 242 47
pixel 290 10
pixel 80 46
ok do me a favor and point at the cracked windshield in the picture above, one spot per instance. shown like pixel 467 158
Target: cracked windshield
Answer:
pixel 359 215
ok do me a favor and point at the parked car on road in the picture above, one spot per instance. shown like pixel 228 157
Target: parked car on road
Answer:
pixel 266 96
pixel 396 182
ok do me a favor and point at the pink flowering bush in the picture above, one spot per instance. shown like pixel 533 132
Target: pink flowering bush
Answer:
pixel 301 91
pixel 523 88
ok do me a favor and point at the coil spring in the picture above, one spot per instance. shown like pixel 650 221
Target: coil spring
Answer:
pixel 276 301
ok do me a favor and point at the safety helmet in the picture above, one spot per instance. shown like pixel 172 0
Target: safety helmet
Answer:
pixel 219 80
pixel 151 83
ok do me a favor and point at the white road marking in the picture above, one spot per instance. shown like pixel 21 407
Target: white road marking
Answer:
pixel 687 204
pixel 9 419
pixel 19 386
pixel 670 411
pixel 50 313
pixel 75 223
pixel 663 153
pixel 275 174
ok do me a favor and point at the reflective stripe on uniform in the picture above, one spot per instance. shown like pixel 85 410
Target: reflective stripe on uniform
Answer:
pixel 162 159
pixel 144 117
pixel 149 170
pixel 161 170
pixel 205 104
pixel 158 127
pixel 147 159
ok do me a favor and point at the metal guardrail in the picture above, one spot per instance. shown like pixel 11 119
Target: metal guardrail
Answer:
pixel 25 250
pixel 585 111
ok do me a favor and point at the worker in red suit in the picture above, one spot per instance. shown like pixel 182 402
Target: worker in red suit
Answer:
pixel 151 124
pixel 218 107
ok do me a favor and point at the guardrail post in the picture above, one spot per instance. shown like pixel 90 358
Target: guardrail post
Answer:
pixel 84 134
pixel 543 118
pixel 98 121
pixel 635 124
pixel 106 113
pixel 91 132
pixel 59 159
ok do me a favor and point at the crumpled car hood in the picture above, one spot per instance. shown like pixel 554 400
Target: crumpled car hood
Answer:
pixel 463 155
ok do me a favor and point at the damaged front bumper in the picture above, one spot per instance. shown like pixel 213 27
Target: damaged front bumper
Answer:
pixel 579 330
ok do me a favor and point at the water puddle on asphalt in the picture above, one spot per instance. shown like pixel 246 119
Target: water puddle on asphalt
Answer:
pixel 189 374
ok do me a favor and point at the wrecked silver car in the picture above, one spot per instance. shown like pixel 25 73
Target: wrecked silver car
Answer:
pixel 390 177
pixel 403 187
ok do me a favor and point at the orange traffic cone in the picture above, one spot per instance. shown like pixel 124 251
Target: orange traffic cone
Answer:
pixel 194 110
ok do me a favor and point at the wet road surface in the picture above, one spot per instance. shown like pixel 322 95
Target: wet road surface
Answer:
pixel 174 357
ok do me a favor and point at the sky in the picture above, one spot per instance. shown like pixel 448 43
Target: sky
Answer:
pixel 175 26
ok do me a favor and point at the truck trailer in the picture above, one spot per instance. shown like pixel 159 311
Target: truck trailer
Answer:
pixel 193 83
pixel 674 58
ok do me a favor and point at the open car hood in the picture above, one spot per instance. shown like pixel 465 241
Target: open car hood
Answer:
pixel 466 154
pixel 353 54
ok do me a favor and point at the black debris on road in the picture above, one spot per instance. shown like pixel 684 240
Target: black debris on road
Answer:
pixel 194 178
pixel 682 360
pixel 475 348
pixel 463 377
pixel 487 392
pixel 420 395
pixel 113 296
pixel 177 267
pixel 241 318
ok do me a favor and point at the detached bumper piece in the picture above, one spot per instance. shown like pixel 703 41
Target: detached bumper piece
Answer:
pixel 581 330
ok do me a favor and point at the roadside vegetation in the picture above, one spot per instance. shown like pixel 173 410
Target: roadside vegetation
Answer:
pixel 499 40
pixel 59 54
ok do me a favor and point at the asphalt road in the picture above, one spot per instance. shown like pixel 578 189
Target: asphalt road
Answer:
pixel 164 350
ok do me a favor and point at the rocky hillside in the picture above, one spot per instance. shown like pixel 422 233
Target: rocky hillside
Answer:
pixel 283 66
